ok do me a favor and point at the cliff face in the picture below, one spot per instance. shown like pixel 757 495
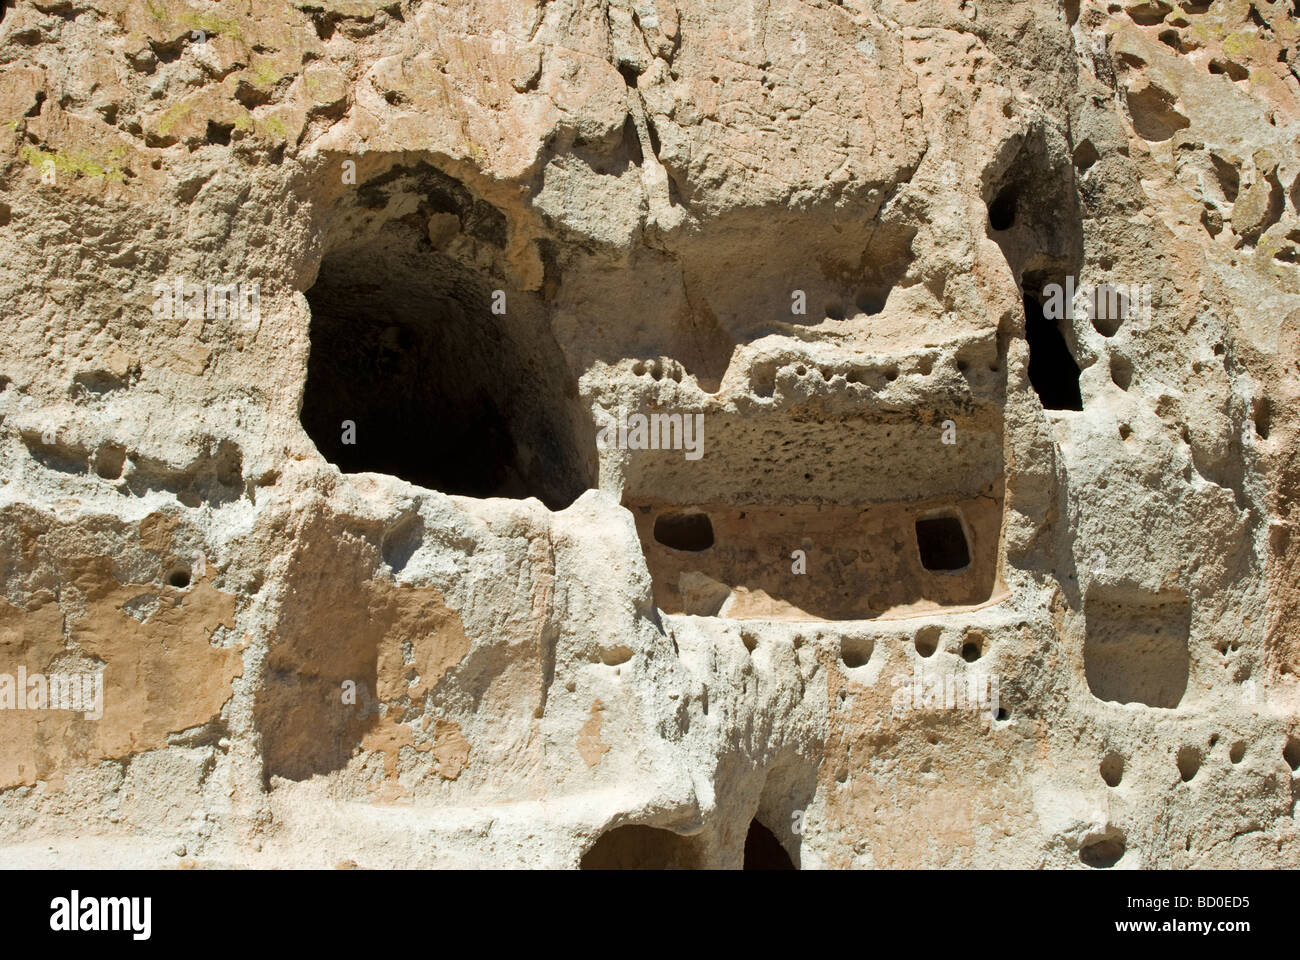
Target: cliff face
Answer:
pixel 605 431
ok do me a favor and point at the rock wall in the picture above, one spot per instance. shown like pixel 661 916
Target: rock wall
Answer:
pixel 623 433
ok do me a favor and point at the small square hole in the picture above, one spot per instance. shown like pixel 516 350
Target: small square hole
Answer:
pixel 942 543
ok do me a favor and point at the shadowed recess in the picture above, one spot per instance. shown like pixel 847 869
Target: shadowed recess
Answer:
pixel 797 514
pixel 942 543
pixel 642 848
pixel 763 851
pixel 684 531
pixel 432 370
pixel 1053 372
pixel 856 562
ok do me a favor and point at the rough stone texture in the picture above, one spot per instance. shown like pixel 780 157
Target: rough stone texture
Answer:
pixel 538 680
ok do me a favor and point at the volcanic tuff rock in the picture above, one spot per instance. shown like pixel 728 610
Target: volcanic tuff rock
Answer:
pixel 960 577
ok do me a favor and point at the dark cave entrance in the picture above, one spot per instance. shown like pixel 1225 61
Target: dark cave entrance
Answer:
pixel 639 847
pixel 1002 211
pixel 942 543
pixel 763 851
pixel 430 369
pixel 1035 215
pixel 1053 372
pixel 684 531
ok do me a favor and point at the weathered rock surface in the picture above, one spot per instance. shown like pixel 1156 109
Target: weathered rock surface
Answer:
pixel 929 575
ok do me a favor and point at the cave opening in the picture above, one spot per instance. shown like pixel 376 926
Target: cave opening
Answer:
pixel 1036 219
pixel 763 851
pixel 638 847
pixel 426 366
pixel 684 531
pixel 1002 211
pixel 942 543
pixel 1053 372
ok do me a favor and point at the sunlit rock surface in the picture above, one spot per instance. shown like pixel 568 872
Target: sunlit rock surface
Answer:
pixel 634 433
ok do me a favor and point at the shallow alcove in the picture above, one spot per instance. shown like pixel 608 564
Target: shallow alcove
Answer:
pixel 1189 763
pixel 641 848
pixel 1135 646
pixel 1105 851
pixel 1112 769
pixel 763 851
pixel 1121 371
pixel 684 531
pixel 1291 753
pixel 1108 306
pixel 1155 112
pixel 712 554
pixel 427 366
pixel 972 647
pixel 779 520
pixel 927 641
pixel 856 651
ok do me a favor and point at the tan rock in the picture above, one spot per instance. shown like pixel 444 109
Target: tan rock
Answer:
pixel 588 432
